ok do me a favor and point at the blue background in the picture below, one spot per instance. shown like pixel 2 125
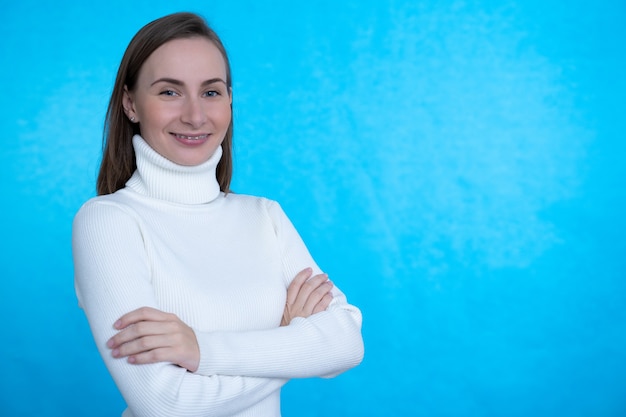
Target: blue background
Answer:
pixel 457 168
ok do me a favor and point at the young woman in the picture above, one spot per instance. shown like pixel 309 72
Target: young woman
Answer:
pixel 202 302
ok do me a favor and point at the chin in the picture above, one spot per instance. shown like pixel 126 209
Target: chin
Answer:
pixel 194 160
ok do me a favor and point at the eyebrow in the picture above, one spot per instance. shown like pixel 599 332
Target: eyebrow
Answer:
pixel 180 83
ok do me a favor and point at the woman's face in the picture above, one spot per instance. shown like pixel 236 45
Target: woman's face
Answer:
pixel 181 100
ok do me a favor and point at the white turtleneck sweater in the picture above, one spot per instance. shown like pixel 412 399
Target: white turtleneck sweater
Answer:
pixel 222 263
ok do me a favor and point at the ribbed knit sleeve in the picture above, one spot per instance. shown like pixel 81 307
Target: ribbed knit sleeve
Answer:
pixel 324 344
pixel 112 277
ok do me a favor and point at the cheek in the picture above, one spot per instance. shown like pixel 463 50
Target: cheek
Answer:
pixel 225 115
pixel 155 115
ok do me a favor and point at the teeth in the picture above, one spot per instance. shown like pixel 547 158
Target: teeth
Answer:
pixel 192 137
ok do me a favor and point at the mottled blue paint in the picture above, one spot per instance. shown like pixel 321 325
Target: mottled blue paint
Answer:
pixel 457 168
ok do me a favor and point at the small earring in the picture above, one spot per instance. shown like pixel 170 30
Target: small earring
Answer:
pixel 132 119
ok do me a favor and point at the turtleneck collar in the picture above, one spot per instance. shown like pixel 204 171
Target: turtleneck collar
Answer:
pixel 158 177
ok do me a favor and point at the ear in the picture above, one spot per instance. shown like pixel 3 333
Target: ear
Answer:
pixel 129 106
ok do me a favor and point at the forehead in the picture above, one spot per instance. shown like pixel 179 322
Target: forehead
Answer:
pixel 185 59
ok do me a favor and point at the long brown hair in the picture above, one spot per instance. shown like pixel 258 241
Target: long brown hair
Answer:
pixel 118 156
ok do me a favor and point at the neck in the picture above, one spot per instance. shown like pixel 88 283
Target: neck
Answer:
pixel 160 178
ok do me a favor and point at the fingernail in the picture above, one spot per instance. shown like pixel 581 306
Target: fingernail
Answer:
pixel 110 343
pixel 115 353
pixel 117 324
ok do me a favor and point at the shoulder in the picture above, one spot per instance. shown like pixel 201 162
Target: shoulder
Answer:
pixel 256 206
pixel 104 210
pixel 251 202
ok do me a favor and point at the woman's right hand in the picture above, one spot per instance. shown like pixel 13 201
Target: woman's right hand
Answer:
pixel 307 295
pixel 148 335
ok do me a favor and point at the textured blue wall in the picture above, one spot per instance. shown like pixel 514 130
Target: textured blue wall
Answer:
pixel 457 168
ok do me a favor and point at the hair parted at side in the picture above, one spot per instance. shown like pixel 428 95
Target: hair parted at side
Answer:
pixel 118 156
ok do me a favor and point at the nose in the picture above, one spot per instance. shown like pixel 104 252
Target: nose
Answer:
pixel 193 113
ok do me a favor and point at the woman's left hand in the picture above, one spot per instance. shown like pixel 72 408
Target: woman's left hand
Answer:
pixel 148 335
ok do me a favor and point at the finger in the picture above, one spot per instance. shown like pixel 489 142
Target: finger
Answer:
pixel 307 289
pixel 159 335
pixel 166 354
pixel 324 303
pixel 151 356
pixel 141 345
pixel 316 296
pixel 141 314
pixel 175 349
pixel 141 329
pixel 296 284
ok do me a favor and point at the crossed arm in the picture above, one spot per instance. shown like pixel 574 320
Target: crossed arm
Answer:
pixel 147 335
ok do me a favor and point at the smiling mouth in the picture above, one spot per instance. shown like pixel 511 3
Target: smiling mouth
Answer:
pixel 185 137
